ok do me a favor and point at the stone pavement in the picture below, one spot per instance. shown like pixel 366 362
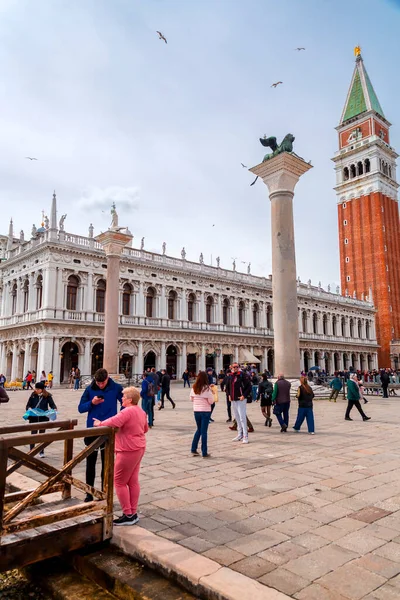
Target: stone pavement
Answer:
pixel 316 517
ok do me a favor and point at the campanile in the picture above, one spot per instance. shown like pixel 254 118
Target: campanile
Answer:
pixel 367 204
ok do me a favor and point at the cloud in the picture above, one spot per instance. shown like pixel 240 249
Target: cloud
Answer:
pixel 125 198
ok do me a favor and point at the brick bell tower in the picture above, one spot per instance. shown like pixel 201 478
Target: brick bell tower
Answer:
pixel 368 214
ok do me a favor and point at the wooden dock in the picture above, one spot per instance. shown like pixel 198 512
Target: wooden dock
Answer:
pixel 32 529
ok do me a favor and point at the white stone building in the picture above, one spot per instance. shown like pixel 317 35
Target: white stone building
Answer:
pixel 173 313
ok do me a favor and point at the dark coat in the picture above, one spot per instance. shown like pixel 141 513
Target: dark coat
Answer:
pixel 42 402
pixel 238 385
pixel 281 394
pixel 165 382
pixel 305 398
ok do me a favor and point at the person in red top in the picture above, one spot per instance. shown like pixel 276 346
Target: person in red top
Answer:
pixel 130 445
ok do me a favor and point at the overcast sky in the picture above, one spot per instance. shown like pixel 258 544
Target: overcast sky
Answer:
pixel 113 113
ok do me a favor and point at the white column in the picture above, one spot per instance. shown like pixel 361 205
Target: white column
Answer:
pixel 49 288
pixel 163 304
pixel 301 359
pixel 202 308
pixel 32 293
pixel 265 359
pixel 86 362
pixel 14 366
pixel 236 357
pixel 163 356
pixel 44 356
pixel 183 312
pixel 3 358
pixel 27 357
pixel 262 316
pixel 139 362
pixel 218 310
pixel 329 324
pixel 184 357
pixel 140 306
pixel 202 358
pixel 89 304
pixel 179 366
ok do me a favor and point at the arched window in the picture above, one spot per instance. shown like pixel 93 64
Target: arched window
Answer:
pixel 334 325
pixel 353 171
pixel 150 295
pixel 39 292
pixel 209 309
pixel 241 312
pixel 304 321
pixel 126 299
pixel 315 323
pixel 325 324
pixel 351 326
pixel 172 305
pixel 72 292
pixel 225 311
pixel 346 173
pixel 26 295
pixel 367 330
pixel 359 328
pixel 343 324
pixel 367 165
pixel 190 307
pixel 256 311
pixel 101 296
pixel 14 293
pixel 360 169
pixel 269 316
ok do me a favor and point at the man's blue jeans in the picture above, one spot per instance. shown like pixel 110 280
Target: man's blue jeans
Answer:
pixel 76 384
pixel 147 407
pixel 281 411
pixel 202 419
pixel 305 413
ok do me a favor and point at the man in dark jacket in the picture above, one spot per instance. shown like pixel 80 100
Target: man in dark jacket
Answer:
pixel 281 397
pixel 238 388
pixel 165 388
pixel 385 380
pixel 100 400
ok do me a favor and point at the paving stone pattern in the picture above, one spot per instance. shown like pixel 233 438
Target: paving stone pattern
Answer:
pixel 316 517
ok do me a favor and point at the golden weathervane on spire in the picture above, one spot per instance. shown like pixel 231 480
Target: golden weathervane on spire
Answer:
pixel 357 51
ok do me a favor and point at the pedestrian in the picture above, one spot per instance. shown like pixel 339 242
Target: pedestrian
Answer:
pixel 33 377
pixel 186 378
pixel 2 380
pixel 305 397
pixel 130 446
pixel 3 395
pixel 281 399
pixel 264 394
pixel 165 389
pixel 100 400
pixel 228 402
pixel 211 382
pixel 221 380
pixel 255 380
pixel 156 381
pixel 385 380
pixel 202 397
pixel 77 380
pixel 238 388
pixel 43 377
pixel 50 378
pixel 148 393
pixel 43 400
pixel 335 385
pixel 353 397
pixel 72 378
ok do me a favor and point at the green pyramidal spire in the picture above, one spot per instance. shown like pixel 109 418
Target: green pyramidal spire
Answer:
pixel 361 96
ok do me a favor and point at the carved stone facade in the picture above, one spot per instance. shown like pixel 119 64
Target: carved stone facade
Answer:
pixel 172 313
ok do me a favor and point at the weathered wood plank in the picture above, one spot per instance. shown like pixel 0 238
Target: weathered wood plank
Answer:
pixel 17 496
pixel 68 454
pixel 3 475
pixel 48 517
pixel 43 487
pixel 25 552
pixel 66 424
pixel 109 484
pixel 55 436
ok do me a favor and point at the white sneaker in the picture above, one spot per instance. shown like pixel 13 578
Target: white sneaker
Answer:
pixel 238 438
pixel 312 432
pixel 245 441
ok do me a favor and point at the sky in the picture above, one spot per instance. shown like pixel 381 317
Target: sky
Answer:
pixel 112 113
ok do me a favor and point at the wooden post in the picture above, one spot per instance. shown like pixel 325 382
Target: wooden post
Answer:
pixel 109 484
pixel 68 454
pixel 3 475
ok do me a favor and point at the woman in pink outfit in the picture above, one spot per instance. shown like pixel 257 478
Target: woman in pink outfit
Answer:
pixel 202 398
pixel 130 444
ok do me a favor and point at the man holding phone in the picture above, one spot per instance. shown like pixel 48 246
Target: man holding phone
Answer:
pixel 100 400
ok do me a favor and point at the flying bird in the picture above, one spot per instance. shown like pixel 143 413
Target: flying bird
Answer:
pixel 254 181
pixel 30 158
pixel 161 36
pixel 298 49
pixel 274 85
pixel 244 166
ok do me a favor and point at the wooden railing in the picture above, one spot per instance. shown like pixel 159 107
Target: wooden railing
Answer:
pixel 57 480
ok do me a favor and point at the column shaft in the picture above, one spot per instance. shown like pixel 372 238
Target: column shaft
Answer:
pixel 110 361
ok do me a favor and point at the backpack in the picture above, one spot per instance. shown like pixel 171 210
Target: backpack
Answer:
pixel 151 389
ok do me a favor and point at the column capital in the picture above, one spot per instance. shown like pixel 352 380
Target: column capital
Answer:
pixel 281 173
pixel 113 242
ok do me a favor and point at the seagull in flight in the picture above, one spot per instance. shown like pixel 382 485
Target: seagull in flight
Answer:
pixel 298 49
pixel 244 166
pixel 161 36
pixel 30 158
pixel 274 85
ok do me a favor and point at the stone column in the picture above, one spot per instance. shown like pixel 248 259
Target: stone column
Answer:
pixel 27 357
pixel 139 360
pixel 86 365
pixel 14 365
pixel 202 358
pixel 89 306
pixel 163 356
pixel 281 175
pixel 184 356
pixel 45 356
pixel 113 242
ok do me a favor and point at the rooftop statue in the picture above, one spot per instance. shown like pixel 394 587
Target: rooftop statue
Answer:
pixel 114 217
pixel 285 146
